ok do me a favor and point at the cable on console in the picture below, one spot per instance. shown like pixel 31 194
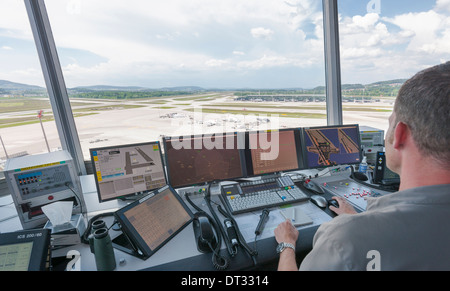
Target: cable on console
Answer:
pixel 231 250
pixel 240 237
pixel 219 262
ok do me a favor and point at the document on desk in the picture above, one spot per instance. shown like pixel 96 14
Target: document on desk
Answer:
pixel 247 222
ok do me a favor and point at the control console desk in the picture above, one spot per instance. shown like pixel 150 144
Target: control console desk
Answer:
pixel 181 252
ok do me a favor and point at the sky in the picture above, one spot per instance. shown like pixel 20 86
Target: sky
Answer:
pixel 225 43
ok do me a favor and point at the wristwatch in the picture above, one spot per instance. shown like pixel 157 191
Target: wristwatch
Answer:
pixel 282 246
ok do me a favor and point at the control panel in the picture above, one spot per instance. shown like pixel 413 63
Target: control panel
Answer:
pixel 38 180
pixel 270 184
pixel 43 182
pixel 259 194
pixel 355 193
pixel 372 141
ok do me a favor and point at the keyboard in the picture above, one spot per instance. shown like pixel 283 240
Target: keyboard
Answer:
pixel 256 195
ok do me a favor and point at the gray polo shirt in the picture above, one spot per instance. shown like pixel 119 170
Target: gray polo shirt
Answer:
pixel 407 230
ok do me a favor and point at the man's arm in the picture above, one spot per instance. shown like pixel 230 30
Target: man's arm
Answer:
pixel 286 232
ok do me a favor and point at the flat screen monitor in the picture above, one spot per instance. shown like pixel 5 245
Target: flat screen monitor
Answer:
pixel 15 257
pixel 125 170
pixel 155 219
pixel 200 159
pixel 25 250
pixel 273 151
pixel 331 146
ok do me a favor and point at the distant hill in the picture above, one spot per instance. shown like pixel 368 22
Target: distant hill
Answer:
pixel 382 88
pixel 390 83
pixel 183 88
pixel 133 88
pixel 11 86
pixel 107 88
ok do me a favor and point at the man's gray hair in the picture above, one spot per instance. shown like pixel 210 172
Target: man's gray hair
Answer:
pixel 423 103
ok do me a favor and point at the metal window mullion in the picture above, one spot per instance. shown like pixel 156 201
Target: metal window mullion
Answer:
pixel 332 62
pixel 51 68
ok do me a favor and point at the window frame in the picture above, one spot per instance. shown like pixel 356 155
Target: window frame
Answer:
pixel 54 79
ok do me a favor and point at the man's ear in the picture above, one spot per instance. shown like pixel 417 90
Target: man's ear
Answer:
pixel 401 134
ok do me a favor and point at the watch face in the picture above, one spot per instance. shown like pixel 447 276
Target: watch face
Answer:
pixel 280 247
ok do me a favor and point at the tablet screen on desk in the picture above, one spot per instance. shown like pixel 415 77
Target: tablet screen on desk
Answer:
pixel 155 219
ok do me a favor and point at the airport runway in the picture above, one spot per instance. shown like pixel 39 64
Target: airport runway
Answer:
pixel 150 122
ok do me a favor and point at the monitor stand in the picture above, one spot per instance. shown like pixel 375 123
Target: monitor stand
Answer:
pixel 271 176
pixel 136 196
pixel 193 190
pixel 124 244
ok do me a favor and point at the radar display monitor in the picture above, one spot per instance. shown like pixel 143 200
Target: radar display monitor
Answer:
pixel 125 170
pixel 273 151
pixel 331 146
pixel 196 160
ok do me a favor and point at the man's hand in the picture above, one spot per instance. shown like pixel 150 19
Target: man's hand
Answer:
pixel 286 232
pixel 344 207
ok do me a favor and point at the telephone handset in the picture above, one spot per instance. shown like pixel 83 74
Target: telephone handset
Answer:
pixel 204 234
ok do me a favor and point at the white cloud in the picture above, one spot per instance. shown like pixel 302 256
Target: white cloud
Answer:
pixel 442 5
pixel 148 41
pixel 238 53
pixel 264 62
pixel 6 48
pixel 216 63
pixel 195 36
pixel 302 12
pixel 33 76
pixel 365 23
pixel 428 30
pixel 262 33
pixel 354 53
pixel 381 48
pixel 14 20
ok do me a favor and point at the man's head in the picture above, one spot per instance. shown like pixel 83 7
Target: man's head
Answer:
pixel 423 109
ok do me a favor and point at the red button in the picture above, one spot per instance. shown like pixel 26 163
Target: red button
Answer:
pixel 50 197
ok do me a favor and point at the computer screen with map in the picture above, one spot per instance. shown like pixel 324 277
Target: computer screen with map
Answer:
pixel 273 151
pixel 331 146
pixel 196 160
pixel 125 170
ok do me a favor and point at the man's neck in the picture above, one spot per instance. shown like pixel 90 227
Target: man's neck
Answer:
pixel 422 173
